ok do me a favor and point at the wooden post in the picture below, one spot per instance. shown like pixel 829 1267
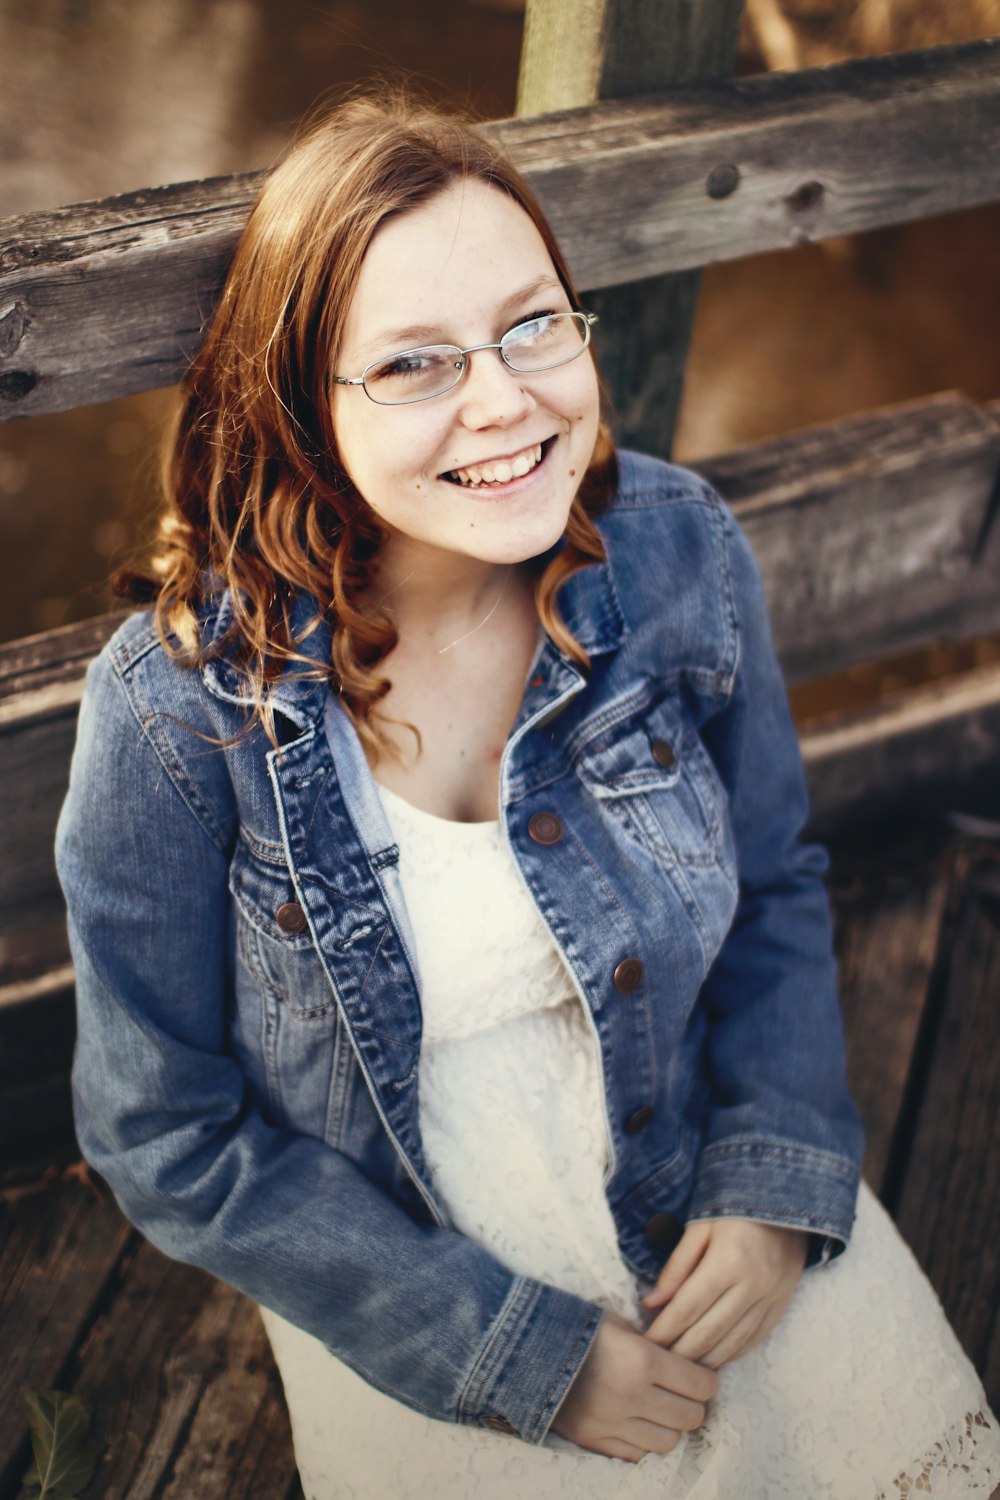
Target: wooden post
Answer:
pixel 578 52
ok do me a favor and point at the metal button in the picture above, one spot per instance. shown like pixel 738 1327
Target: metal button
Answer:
pixel 291 917
pixel 545 828
pixel 629 975
pixel 638 1119
pixel 663 1231
pixel 663 754
pixel 498 1424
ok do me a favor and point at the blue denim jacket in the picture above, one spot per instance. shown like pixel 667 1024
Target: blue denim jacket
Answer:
pixel 249 1002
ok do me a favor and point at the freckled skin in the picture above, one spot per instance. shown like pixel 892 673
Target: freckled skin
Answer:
pixel 461 266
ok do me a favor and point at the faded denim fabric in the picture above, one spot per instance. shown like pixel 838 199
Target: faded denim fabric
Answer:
pixel 250 1093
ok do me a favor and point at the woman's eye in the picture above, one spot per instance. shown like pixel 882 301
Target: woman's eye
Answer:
pixel 414 363
pixel 538 326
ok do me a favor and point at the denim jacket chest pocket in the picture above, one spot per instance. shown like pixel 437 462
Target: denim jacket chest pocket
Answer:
pixel 653 774
pixel 284 1026
pixel 273 938
pixel 653 780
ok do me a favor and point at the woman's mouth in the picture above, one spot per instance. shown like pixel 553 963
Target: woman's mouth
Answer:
pixel 497 472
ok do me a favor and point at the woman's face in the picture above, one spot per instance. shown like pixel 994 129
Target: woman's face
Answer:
pixel 463 269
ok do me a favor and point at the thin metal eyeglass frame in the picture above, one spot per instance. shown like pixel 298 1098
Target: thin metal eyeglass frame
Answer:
pixel 462 361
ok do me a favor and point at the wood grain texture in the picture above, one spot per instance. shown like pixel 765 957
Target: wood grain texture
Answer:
pixel 617 49
pixel 109 298
pixel 186 1398
pixel 59 1248
pixel 949 1206
pixel 918 750
pixel 873 534
pixel 888 914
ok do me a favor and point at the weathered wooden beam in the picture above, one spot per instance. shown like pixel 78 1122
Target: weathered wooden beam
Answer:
pixel 58 1250
pixel 874 534
pixel 948 1208
pixel 888 915
pixel 918 750
pixel 174 1366
pixel 105 299
pixel 619 49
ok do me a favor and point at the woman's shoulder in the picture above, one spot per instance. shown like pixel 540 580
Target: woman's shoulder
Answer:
pixel 148 671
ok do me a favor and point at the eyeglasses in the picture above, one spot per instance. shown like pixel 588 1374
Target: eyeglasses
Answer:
pixel 540 343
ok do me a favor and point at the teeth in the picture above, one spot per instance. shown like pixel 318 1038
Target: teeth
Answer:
pixel 501 471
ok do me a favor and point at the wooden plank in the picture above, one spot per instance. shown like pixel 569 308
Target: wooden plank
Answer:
pixel 34 773
pixel 888 908
pixel 873 534
pixel 43 662
pixel 106 299
pixel 949 1208
pixel 59 1247
pixel 36 1052
pixel 577 55
pixel 186 1398
pixel 918 750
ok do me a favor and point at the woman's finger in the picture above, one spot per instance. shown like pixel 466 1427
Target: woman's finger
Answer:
pixel 618 1448
pixel 686 1254
pixel 652 1437
pixel 699 1293
pixel 737 1341
pixel 767 1325
pixel 715 1324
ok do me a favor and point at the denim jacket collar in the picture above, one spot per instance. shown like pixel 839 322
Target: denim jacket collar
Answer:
pixel 588 603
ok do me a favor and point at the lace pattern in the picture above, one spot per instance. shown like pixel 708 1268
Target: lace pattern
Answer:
pixel 861 1393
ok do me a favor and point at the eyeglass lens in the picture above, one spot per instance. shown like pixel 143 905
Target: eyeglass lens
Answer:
pixel 538 344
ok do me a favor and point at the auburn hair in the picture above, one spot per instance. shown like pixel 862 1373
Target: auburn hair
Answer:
pixel 257 500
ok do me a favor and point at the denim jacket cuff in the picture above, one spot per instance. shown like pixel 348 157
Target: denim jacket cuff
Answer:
pixel 779 1182
pixel 540 1341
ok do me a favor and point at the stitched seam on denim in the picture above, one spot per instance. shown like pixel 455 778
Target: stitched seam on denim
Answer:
pixel 490 1357
pixel 649 497
pixel 125 652
pixel 384 857
pixel 264 849
pixel 557 1390
pixel 254 955
pixel 774 1149
pixel 725 528
pixel 181 784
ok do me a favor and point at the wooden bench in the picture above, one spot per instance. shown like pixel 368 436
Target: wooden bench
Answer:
pixel 875 535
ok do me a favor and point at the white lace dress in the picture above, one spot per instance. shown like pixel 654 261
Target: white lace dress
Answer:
pixel 861 1393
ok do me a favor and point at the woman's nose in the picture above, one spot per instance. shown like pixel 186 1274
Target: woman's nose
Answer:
pixel 492 394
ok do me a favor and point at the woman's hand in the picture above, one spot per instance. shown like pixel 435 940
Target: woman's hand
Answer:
pixel 725 1287
pixel 631 1398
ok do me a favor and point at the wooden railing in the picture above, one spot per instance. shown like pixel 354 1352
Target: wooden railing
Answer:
pixel 875 534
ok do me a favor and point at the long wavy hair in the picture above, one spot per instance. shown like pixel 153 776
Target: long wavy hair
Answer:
pixel 257 499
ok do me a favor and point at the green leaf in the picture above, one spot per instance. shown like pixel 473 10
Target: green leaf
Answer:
pixel 64 1462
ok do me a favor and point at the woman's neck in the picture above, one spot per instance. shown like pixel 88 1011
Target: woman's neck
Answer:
pixel 438 598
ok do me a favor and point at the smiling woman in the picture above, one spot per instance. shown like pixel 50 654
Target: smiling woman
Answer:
pixel 471 267
pixel 452 977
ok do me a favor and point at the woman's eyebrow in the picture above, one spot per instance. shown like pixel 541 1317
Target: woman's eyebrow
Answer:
pixel 421 333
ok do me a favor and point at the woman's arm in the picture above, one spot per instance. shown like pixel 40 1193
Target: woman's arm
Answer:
pixel 783 1140
pixel 164 1114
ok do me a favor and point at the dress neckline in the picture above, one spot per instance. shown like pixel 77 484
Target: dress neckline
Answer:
pixel 394 800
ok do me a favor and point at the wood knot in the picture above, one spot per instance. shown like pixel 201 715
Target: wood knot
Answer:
pixel 722 181
pixel 805 197
pixel 13 323
pixel 15 384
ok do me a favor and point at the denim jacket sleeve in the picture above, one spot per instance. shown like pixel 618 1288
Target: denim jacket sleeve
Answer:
pixel 783 1128
pixel 164 1115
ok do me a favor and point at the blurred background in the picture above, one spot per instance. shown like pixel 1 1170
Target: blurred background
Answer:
pixel 105 96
